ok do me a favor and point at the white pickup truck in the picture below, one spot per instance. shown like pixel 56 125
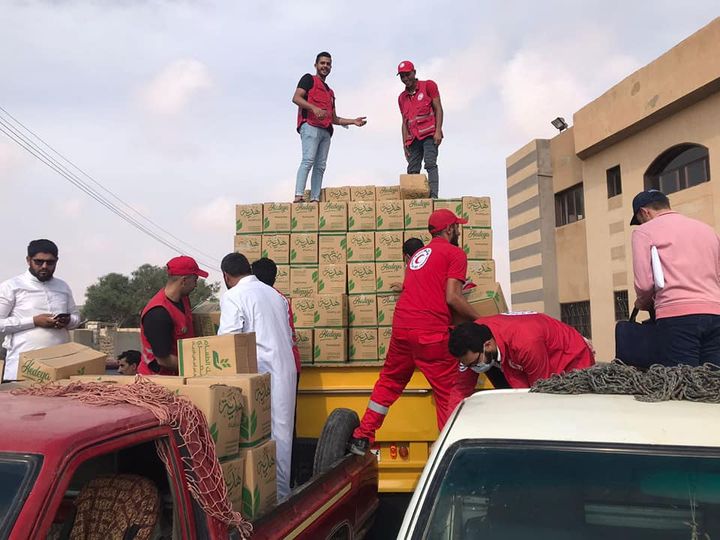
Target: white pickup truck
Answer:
pixel 517 465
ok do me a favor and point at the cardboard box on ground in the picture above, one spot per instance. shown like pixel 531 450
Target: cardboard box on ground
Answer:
pixel 255 425
pixel 259 480
pixel 217 355
pixel 223 408
pixel 60 362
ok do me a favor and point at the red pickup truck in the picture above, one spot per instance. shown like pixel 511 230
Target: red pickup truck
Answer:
pixel 52 448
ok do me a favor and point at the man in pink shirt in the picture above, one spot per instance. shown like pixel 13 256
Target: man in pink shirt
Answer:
pixel 676 262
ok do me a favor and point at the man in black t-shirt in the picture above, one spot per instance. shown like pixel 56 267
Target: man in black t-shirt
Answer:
pixel 316 116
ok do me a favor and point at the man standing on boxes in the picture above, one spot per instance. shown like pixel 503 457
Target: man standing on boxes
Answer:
pixel 251 306
pixel 36 309
pixel 422 120
pixel 421 327
pixel 316 116
pixel 167 317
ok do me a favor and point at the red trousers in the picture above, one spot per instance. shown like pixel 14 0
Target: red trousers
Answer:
pixel 408 349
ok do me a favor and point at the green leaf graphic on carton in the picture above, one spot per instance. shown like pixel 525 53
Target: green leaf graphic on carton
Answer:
pixel 293 223
pixel 81 371
pixel 458 209
pixel 316 352
pixel 343 243
pixel 244 426
pixel 266 223
pixel 256 501
pixel 321 285
pixel 293 254
pixel 381 350
pixel 238 225
pixel 315 276
pixel 351 285
pixel 247 502
pixel 381 316
pixel 379 284
pixel 316 317
pixel 408 220
pixel 466 249
pixel 294 318
pixel 322 222
pixel 351 317
pixel 379 221
pixel 378 252
pixel 351 222
pixel 214 432
pixel 218 362
pixel 349 253
pixel 352 351
pixel 265 253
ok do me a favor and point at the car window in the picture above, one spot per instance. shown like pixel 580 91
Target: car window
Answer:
pixel 555 493
pixel 17 474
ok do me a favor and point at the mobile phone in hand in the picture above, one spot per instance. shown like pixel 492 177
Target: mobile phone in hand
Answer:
pixel 61 316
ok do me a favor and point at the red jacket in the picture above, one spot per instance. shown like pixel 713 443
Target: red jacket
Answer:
pixel 322 97
pixel 182 329
pixel 533 347
pixel 417 111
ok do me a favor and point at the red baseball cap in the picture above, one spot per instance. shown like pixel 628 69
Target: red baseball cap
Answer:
pixel 406 66
pixel 184 266
pixel 443 218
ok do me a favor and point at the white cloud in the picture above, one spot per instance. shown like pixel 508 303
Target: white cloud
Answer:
pixel 216 215
pixel 175 86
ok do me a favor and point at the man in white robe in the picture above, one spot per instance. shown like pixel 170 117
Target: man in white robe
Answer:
pixel 251 306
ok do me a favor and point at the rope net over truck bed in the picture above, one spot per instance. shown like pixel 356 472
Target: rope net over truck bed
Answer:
pixel 202 470
pixel 657 383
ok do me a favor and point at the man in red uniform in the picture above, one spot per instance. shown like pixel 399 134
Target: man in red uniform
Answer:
pixel 422 120
pixel 167 317
pixel 527 347
pixel 420 331
pixel 316 116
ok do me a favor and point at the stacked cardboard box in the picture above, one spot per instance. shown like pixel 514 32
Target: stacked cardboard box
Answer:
pixel 345 264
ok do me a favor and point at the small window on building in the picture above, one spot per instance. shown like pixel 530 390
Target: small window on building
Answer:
pixel 577 315
pixel 569 205
pixel 622 309
pixel 614 182
pixel 680 167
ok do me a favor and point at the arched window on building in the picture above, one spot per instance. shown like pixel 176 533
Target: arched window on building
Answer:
pixel 678 168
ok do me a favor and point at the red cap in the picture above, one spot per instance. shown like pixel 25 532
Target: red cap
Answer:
pixel 443 218
pixel 406 66
pixel 184 266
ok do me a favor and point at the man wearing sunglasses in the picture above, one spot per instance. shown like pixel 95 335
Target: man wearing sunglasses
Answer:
pixel 526 347
pixel 36 309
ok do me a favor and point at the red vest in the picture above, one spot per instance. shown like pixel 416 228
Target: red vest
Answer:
pixel 418 113
pixel 321 97
pixel 182 329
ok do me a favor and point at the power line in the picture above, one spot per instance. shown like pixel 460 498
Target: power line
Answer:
pixel 26 142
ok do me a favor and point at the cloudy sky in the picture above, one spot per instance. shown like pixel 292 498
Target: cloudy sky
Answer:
pixel 182 108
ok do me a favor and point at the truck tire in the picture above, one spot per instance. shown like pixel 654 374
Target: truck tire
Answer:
pixel 333 441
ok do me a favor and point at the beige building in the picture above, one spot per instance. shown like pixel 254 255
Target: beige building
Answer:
pixel 570 197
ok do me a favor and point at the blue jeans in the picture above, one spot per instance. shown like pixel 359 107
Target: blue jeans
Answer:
pixel 315 148
pixel 690 339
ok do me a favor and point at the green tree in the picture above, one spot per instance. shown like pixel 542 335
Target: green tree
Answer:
pixel 119 299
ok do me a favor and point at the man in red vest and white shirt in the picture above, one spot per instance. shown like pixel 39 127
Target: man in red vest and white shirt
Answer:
pixel 422 120
pixel 167 317
pixel 316 116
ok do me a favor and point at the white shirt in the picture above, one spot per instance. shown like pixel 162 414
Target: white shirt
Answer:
pixel 252 306
pixel 23 297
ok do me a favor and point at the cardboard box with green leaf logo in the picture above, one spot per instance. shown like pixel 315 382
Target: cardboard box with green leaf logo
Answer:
pixel 360 246
pixel 282 280
pixel 303 308
pixel 389 276
pixel 222 406
pixel 60 362
pixel 332 279
pixel 386 308
pixel 332 248
pixel 333 217
pixel 331 310
pixel 488 300
pixel 414 186
pixel 362 310
pixel 304 340
pixel 249 245
pixel 275 247
pixel 216 355
pixel 454 205
pixel 477 211
pixel 361 278
pixel 387 193
pixel 304 248
pixel 417 213
pixel 363 344
pixel 384 335
pixel 361 216
pixel 482 273
pixel 304 217
pixel 388 246
pixel 276 217
pixel 303 280
pixel 260 480
pixel 248 218
pixel 424 236
pixel 233 473
pixel 477 243
pixel 336 194
pixel 389 215
pixel 362 193
pixel 255 424
pixel 329 345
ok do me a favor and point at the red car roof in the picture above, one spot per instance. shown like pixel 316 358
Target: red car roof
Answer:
pixel 37 424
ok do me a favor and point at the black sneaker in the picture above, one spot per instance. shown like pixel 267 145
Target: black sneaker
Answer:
pixel 359 447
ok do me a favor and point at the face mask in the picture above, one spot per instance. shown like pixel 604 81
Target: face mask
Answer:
pixel 482 368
